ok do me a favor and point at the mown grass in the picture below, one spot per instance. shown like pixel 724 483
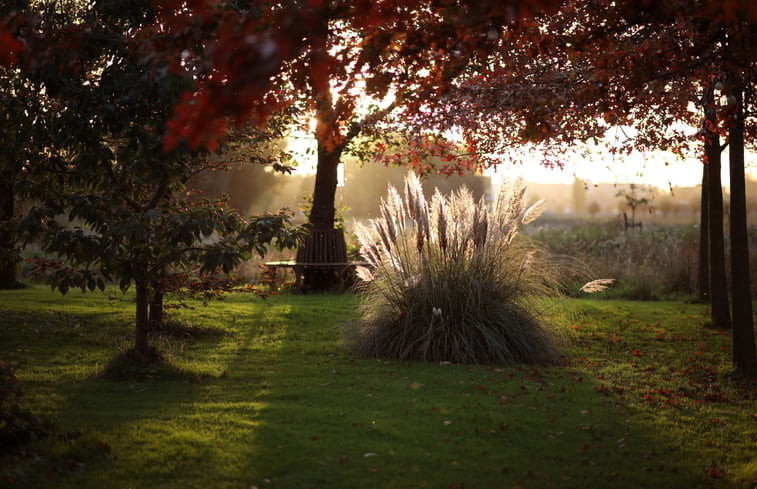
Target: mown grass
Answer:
pixel 644 399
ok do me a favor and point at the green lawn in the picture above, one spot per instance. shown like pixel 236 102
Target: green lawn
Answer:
pixel 271 399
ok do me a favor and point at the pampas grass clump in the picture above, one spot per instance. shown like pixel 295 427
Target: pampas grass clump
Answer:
pixel 450 280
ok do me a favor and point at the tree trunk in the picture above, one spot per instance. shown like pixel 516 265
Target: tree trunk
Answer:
pixel 744 354
pixel 7 238
pixel 322 217
pixel 703 270
pixel 721 317
pixel 324 191
pixel 330 146
pixel 141 345
pixel 156 308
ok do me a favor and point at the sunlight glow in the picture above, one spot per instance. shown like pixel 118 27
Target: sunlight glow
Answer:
pixel 658 169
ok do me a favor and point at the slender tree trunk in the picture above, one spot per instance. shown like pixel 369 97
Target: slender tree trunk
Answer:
pixel 156 308
pixel 7 241
pixel 721 317
pixel 141 346
pixel 703 271
pixel 744 353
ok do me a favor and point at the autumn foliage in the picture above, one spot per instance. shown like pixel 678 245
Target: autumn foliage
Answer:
pixel 500 75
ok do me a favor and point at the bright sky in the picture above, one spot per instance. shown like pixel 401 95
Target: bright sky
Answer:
pixel 659 169
pixel 649 169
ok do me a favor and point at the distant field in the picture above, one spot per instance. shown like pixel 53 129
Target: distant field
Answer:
pixel 267 397
pixel 660 262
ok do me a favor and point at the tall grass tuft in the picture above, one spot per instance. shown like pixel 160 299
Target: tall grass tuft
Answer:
pixel 451 280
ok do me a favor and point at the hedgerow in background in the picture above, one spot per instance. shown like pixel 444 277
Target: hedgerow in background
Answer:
pixel 658 263
pixel 450 280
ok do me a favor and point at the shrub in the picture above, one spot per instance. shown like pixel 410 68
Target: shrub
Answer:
pixel 451 280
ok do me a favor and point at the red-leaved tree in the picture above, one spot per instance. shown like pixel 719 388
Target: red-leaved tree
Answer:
pixel 654 70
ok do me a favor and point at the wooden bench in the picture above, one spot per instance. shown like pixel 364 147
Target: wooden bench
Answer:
pixel 324 250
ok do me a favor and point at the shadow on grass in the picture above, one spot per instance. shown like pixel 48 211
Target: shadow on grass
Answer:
pixel 333 420
pixel 130 366
pixel 357 423
pixel 178 329
pixel 295 410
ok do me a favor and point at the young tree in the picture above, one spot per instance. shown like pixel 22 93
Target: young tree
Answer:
pixel 744 351
pixel 703 263
pixel 130 218
pixel 632 201
pixel 713 210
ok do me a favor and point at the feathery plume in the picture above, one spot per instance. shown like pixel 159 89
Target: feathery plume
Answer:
pixel 439 216
pixel 597 285
pixel 480 224
pixel 364 274
pixel 368 248
pixel 421 215
pixel 389 220
pixel 508 209
pixel 395 203
pixel 525 263
pixel 383 235
pixel 533 212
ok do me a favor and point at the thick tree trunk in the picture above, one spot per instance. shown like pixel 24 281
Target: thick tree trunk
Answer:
pixel 324 191
pixel 7 241
pixel 744 354
pixel 721 317
pixel 703 270
pixel 141 345
pixel 322 217
pixel 330 146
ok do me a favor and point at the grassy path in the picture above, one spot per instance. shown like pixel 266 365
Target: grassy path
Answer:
pixel 272 400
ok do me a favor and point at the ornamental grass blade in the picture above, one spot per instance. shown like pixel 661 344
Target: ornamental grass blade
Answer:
pixel 364 274
pixel 597 285
pixel 533 212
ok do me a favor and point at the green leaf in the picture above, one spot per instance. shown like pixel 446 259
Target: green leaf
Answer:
pixel 124 284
